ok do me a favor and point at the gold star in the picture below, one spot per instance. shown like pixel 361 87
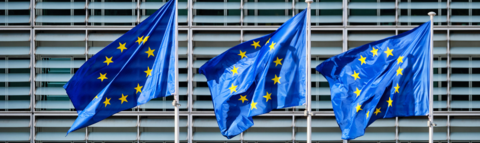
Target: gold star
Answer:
pixel 138 88
pixel 243 54
pixel 399 71
pixel 278 61
pixel 400 60
pixel 362 59
pixel 272 46
pixel 268 96
pixel 389 52
pixel 139 40
pixel 150 52
pixel 122 47
pixel 253 105
pixel 357 92
pixel 102 76
pixel 276 79
pixel 124 98
pixel 145 39
pixel 374 51
pixel 355 75
pixel 368 112
pixel 268 41
pixel 148 71
pixel 389 101
pixel 377 111
pixel 96 97
pixel 396 88
pixel 234 70
pixel 243 98
pixel 359 107
pixel 107 101
pixel 108 60
pixel 233 88
pixel 256 44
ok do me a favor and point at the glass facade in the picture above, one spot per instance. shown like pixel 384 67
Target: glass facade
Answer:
pixel 44 42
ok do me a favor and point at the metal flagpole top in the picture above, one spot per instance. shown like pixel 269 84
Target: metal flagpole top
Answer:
pixel 308 1
pixel 431 13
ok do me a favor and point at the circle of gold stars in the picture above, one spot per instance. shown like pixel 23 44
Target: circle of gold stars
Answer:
pixel 109 60
pixel 399 72
pixel 235 70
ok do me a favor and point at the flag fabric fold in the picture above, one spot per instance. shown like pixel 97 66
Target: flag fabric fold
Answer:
pixel 258 76
pixel 132 70
pixel 383 79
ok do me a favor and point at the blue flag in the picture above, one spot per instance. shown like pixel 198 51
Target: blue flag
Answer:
pixel 135 68
pixel 258 76
pixel 383 79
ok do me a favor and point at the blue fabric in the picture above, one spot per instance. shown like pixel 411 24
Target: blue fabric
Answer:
pixel 407 69
pixel 142 68
pixel 252 90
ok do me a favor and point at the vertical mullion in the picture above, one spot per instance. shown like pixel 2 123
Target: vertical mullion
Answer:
pixel 133 13
pixel 470 12
pixel 396 130
pixel 293 7
pixel 345 39
pixel 86 13
pixel 32 71
pixel 345 13
pixel 378 11
pixel 439 82
pixel 138 127
pixel 317 12
pixel 190 80
pixel 470 98
pixel 448 12
pixel 86 45
pixel 409 11
pixel 32 125
pixel 190 129
pixel 32 139
pixel 293 128
pixel 138 12
pixel 256 12
pixel 32 12
pixel 397 13
pixel 225 13
pixel 189 13
pixel 448 71
pixel 102 12
pixel 6 81
pixel 241 13
pixel 439 12
pixel 72 13
pixel 448 128
pixel 190 70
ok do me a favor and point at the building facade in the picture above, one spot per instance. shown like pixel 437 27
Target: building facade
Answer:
pixel 43 43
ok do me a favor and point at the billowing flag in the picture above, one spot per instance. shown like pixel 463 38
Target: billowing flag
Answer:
pixel 137 67
pixel 258 76
pixel 383 79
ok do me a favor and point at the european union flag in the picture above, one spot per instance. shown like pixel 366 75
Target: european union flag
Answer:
pixel 137 67
pixel 258 76
pixel 383 79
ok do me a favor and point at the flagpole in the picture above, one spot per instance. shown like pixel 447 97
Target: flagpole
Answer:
pixel 175 98
pixel 430 115
pixel 309 100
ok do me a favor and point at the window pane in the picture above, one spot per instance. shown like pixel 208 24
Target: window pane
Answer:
pixel 363 12
pixel 209 12
pixel 330 12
